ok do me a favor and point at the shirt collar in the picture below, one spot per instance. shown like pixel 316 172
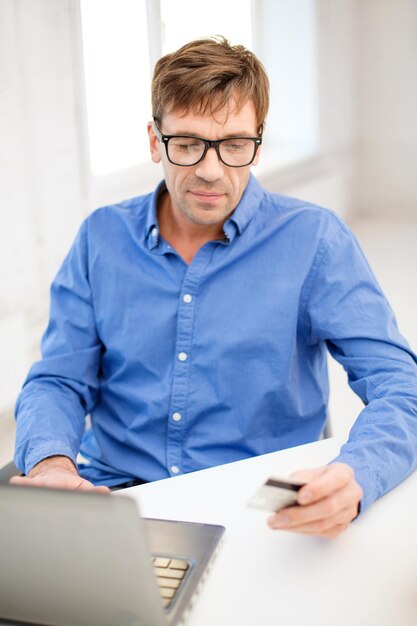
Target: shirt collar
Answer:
pixel 234 226
pixel 245 210
pixel 152 230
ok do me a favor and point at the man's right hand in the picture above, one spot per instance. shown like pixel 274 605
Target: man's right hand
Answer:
pixel 56 472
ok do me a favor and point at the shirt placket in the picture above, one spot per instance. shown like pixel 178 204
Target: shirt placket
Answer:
pixel 177 419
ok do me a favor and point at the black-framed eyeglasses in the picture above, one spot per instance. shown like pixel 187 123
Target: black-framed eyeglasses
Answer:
pixel 186 150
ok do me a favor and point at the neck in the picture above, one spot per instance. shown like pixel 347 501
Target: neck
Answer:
pixel 185 236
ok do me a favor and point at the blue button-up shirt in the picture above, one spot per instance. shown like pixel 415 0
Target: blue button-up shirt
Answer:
pixel 183 367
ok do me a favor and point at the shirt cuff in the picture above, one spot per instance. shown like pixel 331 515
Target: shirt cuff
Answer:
pixel 25 460
pixel 363 476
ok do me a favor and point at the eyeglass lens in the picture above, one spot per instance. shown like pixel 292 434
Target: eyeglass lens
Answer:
pixel 189 150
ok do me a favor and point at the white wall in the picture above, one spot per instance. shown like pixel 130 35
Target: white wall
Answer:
pixel 367 67
pixel 387 164
pixel 42 187
pixel 327 175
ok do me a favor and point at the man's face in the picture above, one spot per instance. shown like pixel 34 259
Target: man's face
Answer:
pixel 207 193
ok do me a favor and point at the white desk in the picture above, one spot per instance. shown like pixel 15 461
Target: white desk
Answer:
pixel 366 577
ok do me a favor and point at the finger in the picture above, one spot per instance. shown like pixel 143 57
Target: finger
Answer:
pixel 328 508
pixel 19 480
pixel 347 497
pixel 103 489
pixel 306 475
pixel 42 481
pixel 26 481
pixel 334 532
pixel 77 483
pixel 330 533
pixel 316 526
pixel 333 478
pixel 85 485
pixel 72 483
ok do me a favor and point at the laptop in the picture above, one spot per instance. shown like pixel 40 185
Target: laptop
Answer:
pixel 89 559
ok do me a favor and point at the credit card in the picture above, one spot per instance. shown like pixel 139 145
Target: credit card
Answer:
pixel 275 494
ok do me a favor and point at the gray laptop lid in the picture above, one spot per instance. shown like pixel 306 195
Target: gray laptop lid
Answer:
pixel 82 559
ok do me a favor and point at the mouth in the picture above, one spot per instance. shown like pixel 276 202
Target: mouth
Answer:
pixel 207 196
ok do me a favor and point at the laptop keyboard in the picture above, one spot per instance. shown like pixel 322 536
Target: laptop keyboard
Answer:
pixel 169 575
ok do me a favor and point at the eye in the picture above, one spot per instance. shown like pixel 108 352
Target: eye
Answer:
pixel 186 144
pixel 236 145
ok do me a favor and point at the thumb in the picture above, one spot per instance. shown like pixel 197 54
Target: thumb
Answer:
pixel 307 475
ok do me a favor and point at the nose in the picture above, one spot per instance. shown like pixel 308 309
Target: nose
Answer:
pixel 210 168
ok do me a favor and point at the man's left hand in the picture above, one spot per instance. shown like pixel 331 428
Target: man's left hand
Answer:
pixel 329 502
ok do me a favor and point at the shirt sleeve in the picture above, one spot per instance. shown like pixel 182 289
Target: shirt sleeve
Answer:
pixel 61 389
pixel 347 309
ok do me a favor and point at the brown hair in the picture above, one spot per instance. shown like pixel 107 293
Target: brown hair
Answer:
pixel 204 75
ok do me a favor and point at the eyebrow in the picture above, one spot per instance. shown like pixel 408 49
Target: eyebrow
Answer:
pixel 238 133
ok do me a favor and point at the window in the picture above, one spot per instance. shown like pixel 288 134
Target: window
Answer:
pixel 287 46
pixel 185 20
pixel 117 82
pixel 122 39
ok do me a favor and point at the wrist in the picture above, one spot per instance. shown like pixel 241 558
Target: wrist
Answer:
pixel 53 463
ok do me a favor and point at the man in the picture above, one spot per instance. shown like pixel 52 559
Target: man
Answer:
pixel 192 323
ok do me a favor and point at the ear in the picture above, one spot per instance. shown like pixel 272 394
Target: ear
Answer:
pixel 154 144
pixel 258 154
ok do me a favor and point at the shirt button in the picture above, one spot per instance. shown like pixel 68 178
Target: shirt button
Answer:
pixel 175 469
pixel 187 298
pixel 182 356
pixel 177 417
pixel 154 232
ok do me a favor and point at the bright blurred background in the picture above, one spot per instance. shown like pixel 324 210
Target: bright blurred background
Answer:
pixel 74 102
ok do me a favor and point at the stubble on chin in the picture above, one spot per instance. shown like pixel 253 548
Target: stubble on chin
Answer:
pixel 207 216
